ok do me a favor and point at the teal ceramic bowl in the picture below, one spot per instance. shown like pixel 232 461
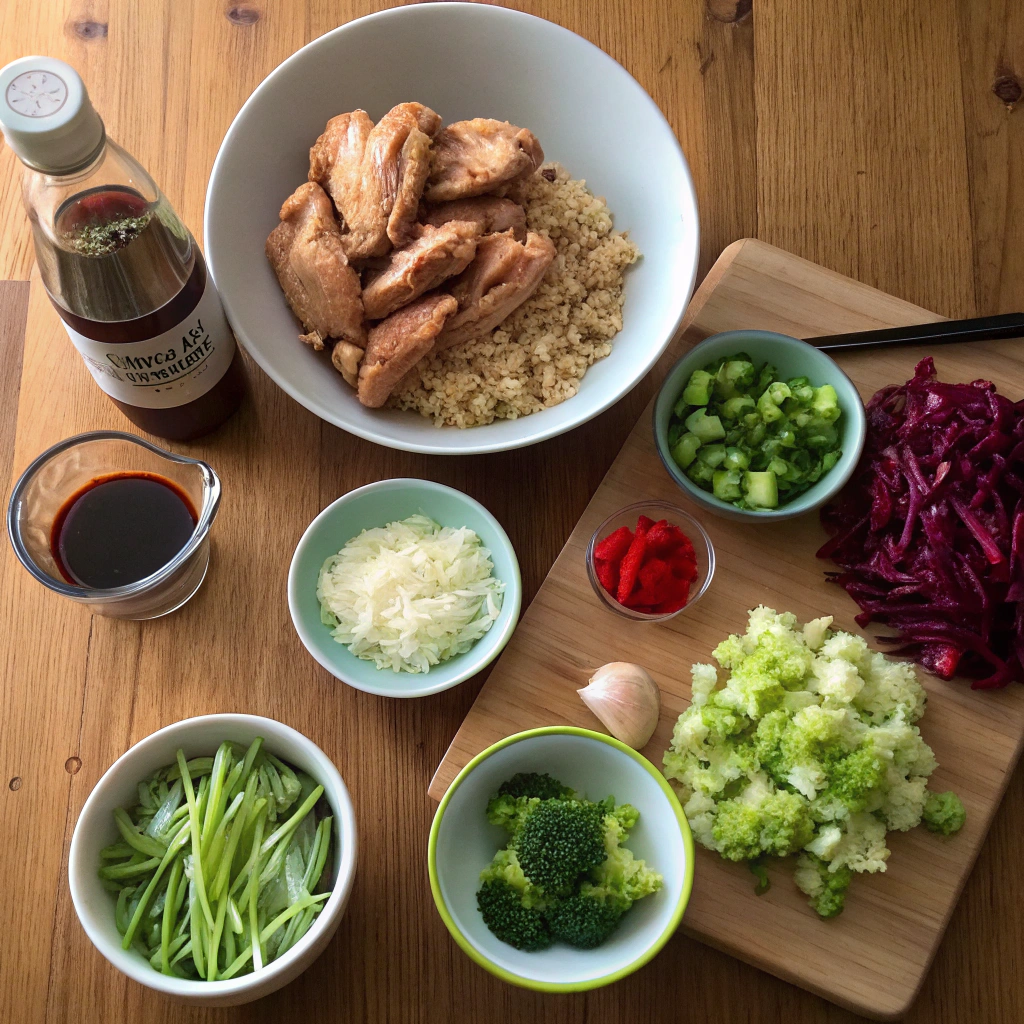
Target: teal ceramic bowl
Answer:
pixel 793 358
pixel 462 843
pixel 377 505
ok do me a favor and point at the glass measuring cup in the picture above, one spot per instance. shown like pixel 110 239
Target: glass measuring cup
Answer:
pixel 67 467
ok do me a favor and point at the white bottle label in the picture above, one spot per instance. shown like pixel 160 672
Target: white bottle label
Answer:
pixel 170 369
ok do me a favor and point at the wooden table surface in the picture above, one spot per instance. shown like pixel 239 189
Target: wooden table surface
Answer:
pixel 876 137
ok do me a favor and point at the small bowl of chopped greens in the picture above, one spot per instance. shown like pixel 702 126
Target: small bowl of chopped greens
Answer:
pixel 756 425
pixel 560 860
pixel 404 588
pixel 214 860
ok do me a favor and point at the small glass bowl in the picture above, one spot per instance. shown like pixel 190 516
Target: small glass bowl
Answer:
pixel 66 467
pixel 655 510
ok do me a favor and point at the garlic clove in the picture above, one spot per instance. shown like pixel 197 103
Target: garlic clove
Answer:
pixel 626 701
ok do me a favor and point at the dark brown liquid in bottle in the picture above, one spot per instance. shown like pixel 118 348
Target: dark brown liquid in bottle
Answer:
pixel 120 528
pixel 121 268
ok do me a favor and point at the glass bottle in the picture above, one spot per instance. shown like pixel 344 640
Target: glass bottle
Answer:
pixel 124 274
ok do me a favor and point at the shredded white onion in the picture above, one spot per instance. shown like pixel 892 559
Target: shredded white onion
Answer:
pixel 411 594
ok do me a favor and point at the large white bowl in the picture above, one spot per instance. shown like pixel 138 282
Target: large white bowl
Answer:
pixel 118 787
pixel 464 60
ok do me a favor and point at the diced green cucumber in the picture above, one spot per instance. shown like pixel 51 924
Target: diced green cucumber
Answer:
pixel 707 428
pixel 736 458
pixel 726 485
pixel 819 435
pixel 761 489
pixel 712 455
pixel 733 375
pixel 685 449
pixel 701 475
pixel 698 390
pixel 741 405
pixel 826 403
pixel 768 407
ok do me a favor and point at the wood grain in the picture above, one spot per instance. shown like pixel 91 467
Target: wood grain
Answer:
pixel 893 923
pixel 760 97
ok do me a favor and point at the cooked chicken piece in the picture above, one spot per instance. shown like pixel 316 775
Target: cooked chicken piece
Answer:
pixel 473 157
pixel 413 168
pixel 490 212
pixel 375 174
pixel 439 253
pixel 307 255
pixel 346 358
pixel 502 276
pixel 397 344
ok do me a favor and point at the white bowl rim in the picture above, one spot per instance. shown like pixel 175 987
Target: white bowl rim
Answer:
pixel 724 508
pixel 513 590
pixel 569 986
pixel 541 434
pixel 146 975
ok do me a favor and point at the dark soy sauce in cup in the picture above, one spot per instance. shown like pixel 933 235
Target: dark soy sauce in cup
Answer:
pixel 120 528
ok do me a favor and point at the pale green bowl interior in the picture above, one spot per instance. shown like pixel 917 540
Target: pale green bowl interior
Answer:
pixel 376 505
pixel 463 842
pixel 792 358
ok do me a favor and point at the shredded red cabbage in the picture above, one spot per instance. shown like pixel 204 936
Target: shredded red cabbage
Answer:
pixel 930 529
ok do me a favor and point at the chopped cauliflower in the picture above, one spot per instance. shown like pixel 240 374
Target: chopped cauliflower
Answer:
pixel 809 746
pixel 862 847
pixel 704 679
pixel 825 843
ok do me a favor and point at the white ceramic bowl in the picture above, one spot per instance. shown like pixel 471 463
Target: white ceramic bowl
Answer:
pixel 464 60
pixel 462 843
pixel 377 505
pixel 118 787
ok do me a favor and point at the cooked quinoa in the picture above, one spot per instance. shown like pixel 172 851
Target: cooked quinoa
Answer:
pixel 537 357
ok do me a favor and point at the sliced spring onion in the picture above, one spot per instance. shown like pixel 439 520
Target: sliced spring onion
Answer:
pixel 217 866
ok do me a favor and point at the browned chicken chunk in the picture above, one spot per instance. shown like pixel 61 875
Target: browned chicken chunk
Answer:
pixel 375 173
pixel 346 358
pixel 490 212
pixel 307 255
pixel 473 157
pixel 439 253
pixel 502 276
pixel 397 344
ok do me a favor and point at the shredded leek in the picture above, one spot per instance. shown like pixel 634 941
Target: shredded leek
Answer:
pixel 220 867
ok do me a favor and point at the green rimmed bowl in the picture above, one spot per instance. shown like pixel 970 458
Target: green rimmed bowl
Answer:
pixel 377 505
pixel 462 843
pixel 792 358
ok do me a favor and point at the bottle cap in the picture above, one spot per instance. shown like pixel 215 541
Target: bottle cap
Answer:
pixel 46 116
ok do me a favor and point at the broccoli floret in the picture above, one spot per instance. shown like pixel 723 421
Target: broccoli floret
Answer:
pixel 532 784
pixel 944 812
pixel 620 877
pixel 506 868
pixel 827 889
pixel 511 811
pixel 512 922
pixel 559 841
pixel 625 815
pixel 584 920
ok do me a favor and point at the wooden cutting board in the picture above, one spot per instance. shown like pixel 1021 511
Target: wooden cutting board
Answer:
pixel 873 957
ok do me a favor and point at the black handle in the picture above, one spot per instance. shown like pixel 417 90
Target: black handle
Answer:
pixel 982 328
